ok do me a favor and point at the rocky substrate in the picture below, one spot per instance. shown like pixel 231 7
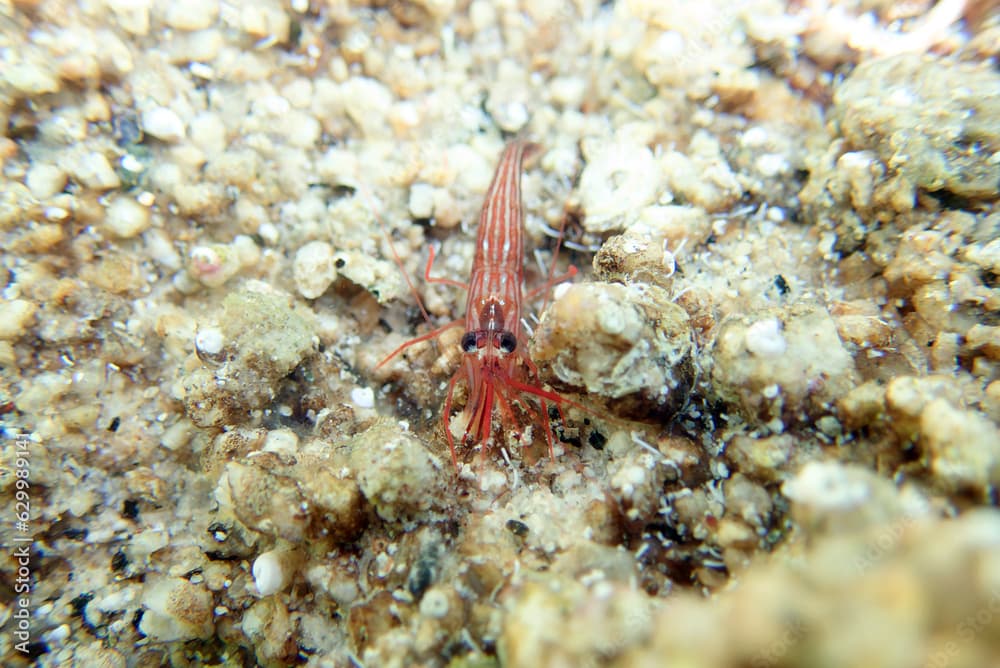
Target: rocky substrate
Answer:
pixel 779 443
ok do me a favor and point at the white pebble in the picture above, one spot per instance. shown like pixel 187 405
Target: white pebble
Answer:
pixel 611 321
pixel 298 92
pixel 270 574
pixel 772 164
pixel 202 71
pixel 421 200
pixel 164 124
pixel 404 115
pixel 764 338
pixel 268 233
pixel 209 340
pixel 246 250
pixel 272 105
pixel 57 635
pixel 829 486
pixel 755 137
pixel 130 163
pixel 513 116
pixel 434 604
pixel 313 269
pixel 161 249
pixel 483 15
pixel 363 397
pixel 568 92
pixel 281 442
pixel 55 213
pixel 301 129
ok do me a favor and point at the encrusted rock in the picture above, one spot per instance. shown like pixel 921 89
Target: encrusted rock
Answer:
pixel 783 365
pixel 628 343
pixel 832 498
pixel 955 106
pixel 907 396
pixel 558 621
pixel 313 269
pixel 396 472
pixel 176 609
pixel 617 182
pixel 294 496
pixel 265 338
pixel 962 446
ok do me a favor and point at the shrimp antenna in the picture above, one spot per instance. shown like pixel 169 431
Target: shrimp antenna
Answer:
pixel 392 249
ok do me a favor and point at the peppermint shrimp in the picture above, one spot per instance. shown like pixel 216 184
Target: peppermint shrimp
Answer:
pixel 495 364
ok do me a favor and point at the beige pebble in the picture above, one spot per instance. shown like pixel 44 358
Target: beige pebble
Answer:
pixel 208 132
pixel 963 446
pixel 16 316
pixel 781 364
pixel 985 340
pixel 214 264
pixel 8 149
pixel 907 396
pixel 421 202
pixel 114 57
pixel 126 218
pixel 8 357
pixel 482 14
pixel 164 124
pixel 131 15
pixel 298 92
pixel 31 79
pixel 191 14
pixel 367 102
pixel 301 129
pixel 96 108
pixel 262 22
pixel 313 269
pixel 201 46
pixel 176 609
pixel 45 180
pixel 627 343
pixel 94 171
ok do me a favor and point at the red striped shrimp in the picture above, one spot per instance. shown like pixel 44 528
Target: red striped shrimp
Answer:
pixel 495 366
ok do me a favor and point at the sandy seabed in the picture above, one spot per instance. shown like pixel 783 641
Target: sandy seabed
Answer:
pixel 778 365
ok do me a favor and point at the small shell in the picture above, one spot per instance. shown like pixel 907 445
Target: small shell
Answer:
pixel 616 184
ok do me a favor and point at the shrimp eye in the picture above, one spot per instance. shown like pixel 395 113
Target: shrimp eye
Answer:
pixel 507 343
pixel 469 343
